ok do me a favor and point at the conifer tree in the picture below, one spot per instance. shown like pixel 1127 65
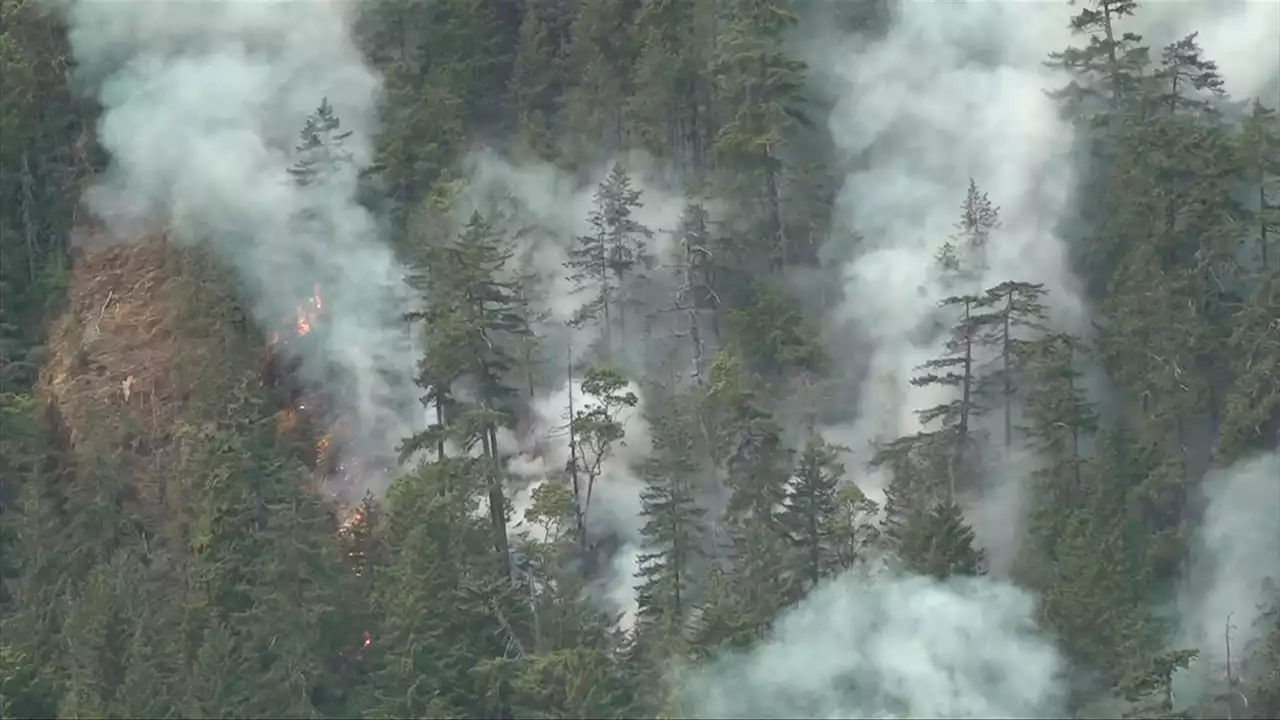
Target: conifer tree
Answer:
pixel 761 93
pixel 669 106
pixel 1058 416
pixel 1186 81
pixel 963 256
pixel 809 514
pixel 956 368
pixel 435 598
pixel 539 75
pixel 1259 141
pixel 1014 306
pixel 599 57
pixel 470 321
pixel 603 261
pixel 1108 71
pixel 939 543
pixel 320 150
pixel 673 521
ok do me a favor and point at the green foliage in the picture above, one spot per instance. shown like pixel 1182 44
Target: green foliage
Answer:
pixel 811 510
pixel 674 523
pixel 231 592
pixel 601 262
pixel 434 598
pixel 774 334
pixel 938 542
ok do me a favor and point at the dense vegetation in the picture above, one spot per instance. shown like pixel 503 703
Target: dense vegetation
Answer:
pixel 241 600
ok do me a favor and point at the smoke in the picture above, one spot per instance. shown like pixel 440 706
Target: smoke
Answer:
pixel 202 103
pixel 1241 36
pixel 891 647
pixel 615 510
pixel 951 92
pixel 545 209
pixel 1236 570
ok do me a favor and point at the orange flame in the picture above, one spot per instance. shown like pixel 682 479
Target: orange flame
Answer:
pixel 305 316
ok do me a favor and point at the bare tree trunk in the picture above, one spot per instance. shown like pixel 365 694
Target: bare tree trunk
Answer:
pixel 573 467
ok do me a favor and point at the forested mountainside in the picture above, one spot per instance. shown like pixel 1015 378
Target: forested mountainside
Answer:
pixel 639 358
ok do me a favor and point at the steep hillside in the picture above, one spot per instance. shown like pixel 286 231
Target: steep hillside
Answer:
pixel 151 343
pixel 167 422
pixel 836 358
pixel 110 373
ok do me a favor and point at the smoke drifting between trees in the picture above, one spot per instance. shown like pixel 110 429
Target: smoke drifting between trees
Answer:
pixel 700 358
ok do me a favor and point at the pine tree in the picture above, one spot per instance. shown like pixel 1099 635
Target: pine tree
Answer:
pixel 673 521
pixel 320 150
pixel 760 92
pixel 1100 565
pixel 539 75
pixel 963 256
pixel 1059 418
pixel 1059 424
pixel 1108 71
pixel 959 370
pixel 1251 418
pixel 471 320
pixel 939 543
pixel 746 444
pixel 1186 81
pixel 809 514
pixel 435 598
pixel 1014 306
pixel 669 106
pixel 605 260
pixel 599 58
pixel 1259 141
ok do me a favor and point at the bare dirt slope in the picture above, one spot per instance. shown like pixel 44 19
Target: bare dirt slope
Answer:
pixel 146 353
pixel 109 372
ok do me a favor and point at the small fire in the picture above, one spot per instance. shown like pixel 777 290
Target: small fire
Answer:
pixel 305 316
pixel 307 313
pixel 354 517
pixel 324 448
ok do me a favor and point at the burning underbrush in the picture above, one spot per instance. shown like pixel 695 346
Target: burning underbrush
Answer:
pixel 151 357
pixel 310 420
pixel 151 340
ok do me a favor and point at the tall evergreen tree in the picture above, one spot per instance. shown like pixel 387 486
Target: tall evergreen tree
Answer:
pixel 1108 71
pixel 761 95
pixel 810 511
pixel 470 321
pixel 957 368
pixel 321 150
pixel 605 260
pixel 1014 306
pixel 673 521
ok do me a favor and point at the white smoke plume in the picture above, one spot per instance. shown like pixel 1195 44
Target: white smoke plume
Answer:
pixel 543 197
pixel 547 209
pixel 615 503
pixel 889 647
pixel 953 91
pixel 1236 572
pixel 202 105
pixel 1241 36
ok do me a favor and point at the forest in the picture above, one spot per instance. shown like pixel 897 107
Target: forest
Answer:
pixel 639 358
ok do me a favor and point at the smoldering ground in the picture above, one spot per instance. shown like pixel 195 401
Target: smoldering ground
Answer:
pixel 201 105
